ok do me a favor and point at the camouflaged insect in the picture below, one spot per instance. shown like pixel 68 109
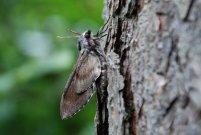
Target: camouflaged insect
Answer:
pixel 87 70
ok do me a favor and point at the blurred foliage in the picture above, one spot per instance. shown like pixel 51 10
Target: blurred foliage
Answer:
pixel 35 64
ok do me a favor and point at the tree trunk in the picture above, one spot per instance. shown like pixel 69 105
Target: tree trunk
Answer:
pixel 153 51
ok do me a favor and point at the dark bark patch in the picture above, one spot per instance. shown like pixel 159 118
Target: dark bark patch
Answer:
pixel 122 4
pixel 118 42
pixel 173 50
pixel 102 112
pixel 171 105
pixel 134 8
pixel 140 114
pixel 161 19
pixel 130 120
pixel 189 11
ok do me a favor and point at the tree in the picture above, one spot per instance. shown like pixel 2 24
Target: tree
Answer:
pixel 153 52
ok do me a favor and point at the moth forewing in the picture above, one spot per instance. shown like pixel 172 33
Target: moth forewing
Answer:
pixel 71 103
pixel 80 86
pixel 88 73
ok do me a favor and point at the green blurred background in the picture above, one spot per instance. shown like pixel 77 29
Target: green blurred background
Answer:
pixel 35 64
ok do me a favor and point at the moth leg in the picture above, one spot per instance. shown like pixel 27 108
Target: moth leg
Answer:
pixel 101 31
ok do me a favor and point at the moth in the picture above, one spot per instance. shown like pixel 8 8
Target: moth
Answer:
pixel 88 68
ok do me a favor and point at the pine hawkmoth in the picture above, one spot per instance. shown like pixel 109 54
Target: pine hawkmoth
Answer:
pixel 89 67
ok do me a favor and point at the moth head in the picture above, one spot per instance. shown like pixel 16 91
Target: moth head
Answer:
pixel 84 41
pixel 87 34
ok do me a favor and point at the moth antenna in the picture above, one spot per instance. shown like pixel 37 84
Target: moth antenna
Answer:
pixel 74 32
pixel 68 36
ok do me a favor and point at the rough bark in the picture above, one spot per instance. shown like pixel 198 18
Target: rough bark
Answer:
pixel 153 52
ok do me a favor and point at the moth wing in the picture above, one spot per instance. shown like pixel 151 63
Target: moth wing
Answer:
pixel 71 103
pixel 80 86
pixel 89 71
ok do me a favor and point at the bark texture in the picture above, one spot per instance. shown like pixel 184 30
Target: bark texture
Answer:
pixel 153 50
